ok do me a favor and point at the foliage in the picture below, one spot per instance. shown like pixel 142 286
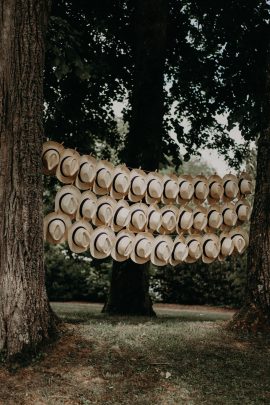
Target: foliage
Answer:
pixel 75 277
pixel 198 283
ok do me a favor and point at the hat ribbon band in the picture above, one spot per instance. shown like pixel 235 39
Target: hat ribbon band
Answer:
pixel 239 184
pixel 98 171
pixel 131 217
pixel 224 185
pixel 136 246
pixel 222 240
pixel 131 184
pixel 79 174
pixel 174 249
pixel 48 150
pixel 148 186
pixel 116 214
pixel 211 184
pixel 195 185
pixel 149 217
pixel 180 218
pixel 196 214
pixel 238 208
pixel 81 206
pixel 165 212
pixel 95 242
pixel 156 248
pixel 223 212
pixel 164 189
pixel 101 205
pixel 118 241
pixel 74 233
pixel 114 180
pixel 61 198
pixel 61 165
pixel 56 219
pixel 237 234
pixel 181 183
pixel 210 213
pixel 204 246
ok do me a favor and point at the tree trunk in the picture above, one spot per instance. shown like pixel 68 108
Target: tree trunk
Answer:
pixel 255 314
pixel 129 292
pixel 26 319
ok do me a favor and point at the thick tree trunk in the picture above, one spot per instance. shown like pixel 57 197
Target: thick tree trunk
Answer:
pixel 26 319
pixel 255 314
pixel 129 284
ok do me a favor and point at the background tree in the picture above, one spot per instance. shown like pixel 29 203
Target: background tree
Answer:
pixel 25 316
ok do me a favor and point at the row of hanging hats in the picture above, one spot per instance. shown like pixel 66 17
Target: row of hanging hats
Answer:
pixel 142 247
pixel 142 217
pixel 103 178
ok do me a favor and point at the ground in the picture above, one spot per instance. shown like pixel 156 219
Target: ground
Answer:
pixel 185 356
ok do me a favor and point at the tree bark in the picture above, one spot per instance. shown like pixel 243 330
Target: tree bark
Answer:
pixel 255 314
pixel 129 291
pixel 26 319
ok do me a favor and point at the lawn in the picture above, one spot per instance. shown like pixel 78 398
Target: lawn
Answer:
pixel 185 356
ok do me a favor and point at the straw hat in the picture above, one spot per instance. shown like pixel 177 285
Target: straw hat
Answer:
pixel 240 240
pixel 226 246
pixel 199 219
pixel 142 247
pixel 121 216
pixel 51 156
pixel 104 211
pixel 122 247
pixel 104 177
pixel 169 215
pixel 170 189
pixel 230 184
pixel 210 247
pixel 55 227
pixel 243 210
pixel 101 243
pixel 214 217
pixel 216 189
pixel 138 217
pixel 185 190
pixel 68 166
pixel 161 250
pixel 229 215
pixel 137 185
pixel 154 188
pixel 120 183
pixel 67 200
pixel 245 184
pixel 87 172
pixel 201 189
pixel 154 218
pixel 179 251
pixel 194 248
pixel 79 236
pixel 87 206
pixel 184 220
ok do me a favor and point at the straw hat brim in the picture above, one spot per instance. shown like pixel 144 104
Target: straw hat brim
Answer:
pixel 153 176
pixel 216 239
pixel 103 200
pixel 119 170
pixel 133 256
pixel 51 145
pixel 94 252
pixel 68 189
pixel 72 245
pixel 115 255
pixel 119 204
pixel 154 259
pixel 175 210
pixel 103 164
pixel 48 219
pixel 78 181
pixel 134 207
pixel 85 195
pixel 198 238
pixel 59 174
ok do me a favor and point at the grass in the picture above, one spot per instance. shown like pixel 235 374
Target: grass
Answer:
pixel 185 356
